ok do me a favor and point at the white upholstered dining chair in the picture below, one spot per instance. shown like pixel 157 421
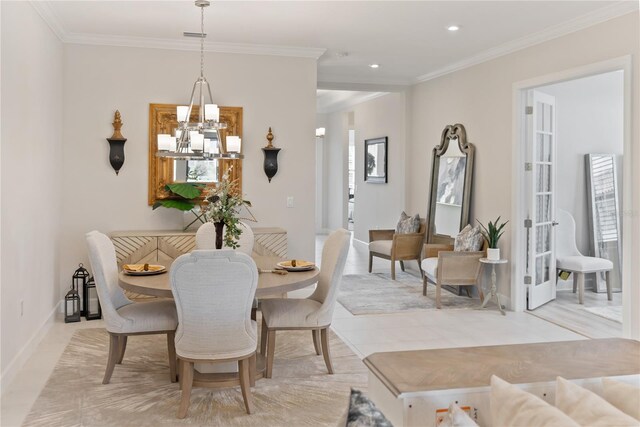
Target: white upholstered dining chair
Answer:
pixel 123 317
pixel 313 313
pixel 214 292
pixel 206 237
pixel 569 258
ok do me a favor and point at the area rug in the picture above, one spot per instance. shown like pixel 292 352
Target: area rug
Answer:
pixel 376 293
pixel 611 312
pixel 301 393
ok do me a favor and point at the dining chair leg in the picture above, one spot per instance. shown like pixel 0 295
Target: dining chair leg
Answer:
pixel 252 369
pixel 315 333
pixel 263 338
pixel 325 349
pixel 271 346
pixel 438 293
pixel 114 353
pixel 370 261
pixel 402 265
pixel 171 350
pixel 123 347
pixel 480 293
pixel 187 384
pixel 420 269
pixel 243 368
pixel 424 286
pixel 393 269
pixel 575 282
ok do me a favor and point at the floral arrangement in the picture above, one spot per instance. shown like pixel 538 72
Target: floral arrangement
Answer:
pixel 223 206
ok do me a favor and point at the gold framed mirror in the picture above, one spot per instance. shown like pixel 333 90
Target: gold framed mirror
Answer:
pixel 162 171
pixel 451 179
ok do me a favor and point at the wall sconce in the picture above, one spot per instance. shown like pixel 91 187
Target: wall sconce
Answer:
pixel 116 144
pixel 270 157
pixel 320 132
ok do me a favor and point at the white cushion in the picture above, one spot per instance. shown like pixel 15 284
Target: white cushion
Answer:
pixel 430 267
pixel 381 246
pixel 158 315
pixel 587 408
pixel 623 396
pixel 511 406
pixel 583 264
pixel 290 312
pixel 456 417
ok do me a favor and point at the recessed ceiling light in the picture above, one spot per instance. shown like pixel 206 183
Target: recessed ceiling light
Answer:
pixel 374 65
pixel 453 28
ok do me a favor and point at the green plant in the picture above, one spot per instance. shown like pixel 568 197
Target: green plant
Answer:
pixel 224 204
pixel 492 232
pixel 185 194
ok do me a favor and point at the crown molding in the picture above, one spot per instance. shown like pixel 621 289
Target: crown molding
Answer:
pixel 348 103
pixel 331 81
pixel 49 17
pixel 192 45
pixel 603 14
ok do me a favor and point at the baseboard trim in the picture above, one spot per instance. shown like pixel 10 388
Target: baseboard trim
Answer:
pixel 28 349
pixel 360 243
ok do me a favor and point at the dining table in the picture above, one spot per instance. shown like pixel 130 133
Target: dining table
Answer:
pixel 269 284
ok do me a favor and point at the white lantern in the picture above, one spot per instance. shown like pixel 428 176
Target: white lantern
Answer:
pixel 197 141
pixel 164 142
pixel 211 112
pixel 182 112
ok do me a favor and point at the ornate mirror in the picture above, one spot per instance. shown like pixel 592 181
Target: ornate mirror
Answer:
pixel 163 171
pixel 450 194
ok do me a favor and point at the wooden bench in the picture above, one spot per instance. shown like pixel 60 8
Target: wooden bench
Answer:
pixel 410 386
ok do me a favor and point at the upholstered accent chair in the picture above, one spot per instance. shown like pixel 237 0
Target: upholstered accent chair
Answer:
pixel 393 246
pixel 443 266
pixel 569 258
pixel 214 292
pixel 313 313
pixel 123 317
pixel 206 237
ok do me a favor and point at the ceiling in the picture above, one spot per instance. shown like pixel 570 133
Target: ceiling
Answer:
pixel 409 40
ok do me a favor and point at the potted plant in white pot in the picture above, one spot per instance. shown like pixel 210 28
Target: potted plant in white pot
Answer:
pixel 492 233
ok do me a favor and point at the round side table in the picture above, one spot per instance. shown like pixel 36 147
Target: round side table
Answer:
pixel 492 292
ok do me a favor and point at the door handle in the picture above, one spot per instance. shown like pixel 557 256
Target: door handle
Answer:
pixel 554 223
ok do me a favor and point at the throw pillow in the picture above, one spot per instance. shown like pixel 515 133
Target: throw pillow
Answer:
pixel 587 408
pixel 456 417
pixel 408 224
pixel 511 407
pixel 623 396
pixel 470 239
pixel 363 413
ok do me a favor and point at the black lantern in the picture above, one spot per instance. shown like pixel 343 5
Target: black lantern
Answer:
pixel 72 310
pixel 90 304
pixel 270 157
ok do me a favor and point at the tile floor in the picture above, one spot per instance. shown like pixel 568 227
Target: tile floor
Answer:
pixel 365 334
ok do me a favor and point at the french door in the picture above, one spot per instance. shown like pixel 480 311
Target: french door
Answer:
pixel 540 276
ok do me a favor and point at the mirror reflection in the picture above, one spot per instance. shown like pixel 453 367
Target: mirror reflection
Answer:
pixel 451 174
pixel 375 151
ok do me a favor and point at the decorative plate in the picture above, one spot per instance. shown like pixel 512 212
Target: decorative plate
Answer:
pixel 296 265
pixel 138 269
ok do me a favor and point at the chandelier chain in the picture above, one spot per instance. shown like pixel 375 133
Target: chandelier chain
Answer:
pixel 201 41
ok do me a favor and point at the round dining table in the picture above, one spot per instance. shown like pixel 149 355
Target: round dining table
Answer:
pixel 269 284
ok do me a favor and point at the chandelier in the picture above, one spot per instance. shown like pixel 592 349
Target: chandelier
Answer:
pixel 199 140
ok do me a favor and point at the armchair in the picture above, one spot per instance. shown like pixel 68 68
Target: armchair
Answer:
pixel 390 245
pixel 443 266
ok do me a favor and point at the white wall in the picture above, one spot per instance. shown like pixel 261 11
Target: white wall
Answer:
pixel 336 151
pixel 273 91
pixel 589 117
pixel 31 178
pixel 480 97
pixel 378 206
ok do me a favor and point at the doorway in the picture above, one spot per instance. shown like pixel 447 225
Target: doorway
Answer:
pixel 564 122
